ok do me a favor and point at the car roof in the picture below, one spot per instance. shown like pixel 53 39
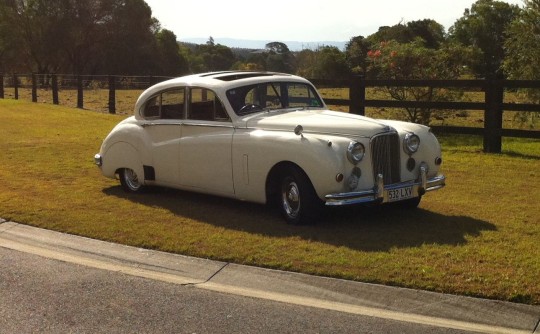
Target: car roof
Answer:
pixel 228 79
pixel 219 82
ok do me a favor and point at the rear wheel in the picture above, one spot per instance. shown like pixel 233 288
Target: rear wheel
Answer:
pixel 298 202
pixel 130 181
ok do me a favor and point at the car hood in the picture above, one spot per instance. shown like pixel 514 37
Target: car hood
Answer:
pixel 318 121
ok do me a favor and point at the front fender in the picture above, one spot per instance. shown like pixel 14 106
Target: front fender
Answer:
pixel 256 152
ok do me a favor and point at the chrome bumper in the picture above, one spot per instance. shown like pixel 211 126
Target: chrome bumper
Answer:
pixel 379 191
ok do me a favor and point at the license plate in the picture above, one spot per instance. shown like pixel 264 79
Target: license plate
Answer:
pixel 400 194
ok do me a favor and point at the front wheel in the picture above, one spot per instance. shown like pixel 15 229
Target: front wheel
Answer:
pixel 130 181
pixel 298 201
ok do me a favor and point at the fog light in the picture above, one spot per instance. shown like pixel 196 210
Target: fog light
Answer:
pixel 438 161
pixel 411 163
pixel 339 177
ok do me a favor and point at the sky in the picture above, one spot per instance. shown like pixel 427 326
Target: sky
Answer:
pixel 299 20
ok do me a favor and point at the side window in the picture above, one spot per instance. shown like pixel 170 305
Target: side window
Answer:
pixel 273 96
pixel 151 109
pixel 206 106
pixel 301 95
pixel 166 105
pixel 172 104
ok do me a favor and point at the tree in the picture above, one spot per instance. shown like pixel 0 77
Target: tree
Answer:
pixel 522 48
pixel 522 45
pixel 356 54
pixel 279 58
pixel 429 31
pixel 211 57
pixel 87 22
pixel 277 47
pixel 10 49
pixel 483 27
pixel 393 60
pixel 130 45
pixel 328 62
pixel 399 33
pixel 79 36
pixel 41 28
pixel 171 62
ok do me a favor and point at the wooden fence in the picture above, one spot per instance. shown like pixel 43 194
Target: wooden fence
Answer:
pixel 492 106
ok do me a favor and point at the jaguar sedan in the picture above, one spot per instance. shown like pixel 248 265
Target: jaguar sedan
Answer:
pixel 268 138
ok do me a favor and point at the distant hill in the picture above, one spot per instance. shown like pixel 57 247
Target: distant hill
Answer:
pixel 256 45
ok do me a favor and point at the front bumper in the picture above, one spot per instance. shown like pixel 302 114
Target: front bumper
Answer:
pixel 379 193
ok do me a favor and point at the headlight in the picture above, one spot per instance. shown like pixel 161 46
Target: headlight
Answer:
pixel 355 152
pixel 411 143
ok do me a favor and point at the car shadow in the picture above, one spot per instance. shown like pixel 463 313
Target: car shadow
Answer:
pixel 371 229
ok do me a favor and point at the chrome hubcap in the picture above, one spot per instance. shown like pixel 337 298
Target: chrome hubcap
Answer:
pixel 131 179
pixel 291 199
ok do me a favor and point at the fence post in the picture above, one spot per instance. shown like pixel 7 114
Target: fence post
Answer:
pixel 1 85
pixel 112 95
pixel 16 85
pixel 357 95
pixel 80 97
pixel 55 89
pixel 34 88
pixel 494 97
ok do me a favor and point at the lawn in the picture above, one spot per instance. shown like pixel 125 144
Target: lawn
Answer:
pixel 479 236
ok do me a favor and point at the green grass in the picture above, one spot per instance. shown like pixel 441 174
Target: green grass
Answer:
pixel 479 236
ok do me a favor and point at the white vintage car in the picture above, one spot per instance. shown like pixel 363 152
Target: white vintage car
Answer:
pixel 268 138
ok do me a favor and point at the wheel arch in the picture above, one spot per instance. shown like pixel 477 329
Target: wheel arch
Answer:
pixel 272 179
pixel 122 155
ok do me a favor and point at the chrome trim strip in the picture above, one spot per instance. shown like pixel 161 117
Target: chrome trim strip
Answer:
pixel 209 125
pixel 377 193
pixel 144 125
pixel 338 134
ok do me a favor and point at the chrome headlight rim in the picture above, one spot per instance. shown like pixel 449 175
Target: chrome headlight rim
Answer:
pixel 355 152
pixel 411 143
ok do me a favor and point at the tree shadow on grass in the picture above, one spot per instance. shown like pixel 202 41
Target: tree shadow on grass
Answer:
pixel 372 229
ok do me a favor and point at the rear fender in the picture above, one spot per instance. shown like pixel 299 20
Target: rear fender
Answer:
pixel 121 155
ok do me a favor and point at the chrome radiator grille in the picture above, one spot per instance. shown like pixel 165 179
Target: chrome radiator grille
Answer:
pixel 385 157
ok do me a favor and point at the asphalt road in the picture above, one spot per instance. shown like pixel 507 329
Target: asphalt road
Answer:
pixel 57 283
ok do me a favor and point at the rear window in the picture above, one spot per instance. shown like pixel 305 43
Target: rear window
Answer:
pixel 168 104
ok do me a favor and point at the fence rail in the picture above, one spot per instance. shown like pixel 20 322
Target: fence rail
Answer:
pixel 493 104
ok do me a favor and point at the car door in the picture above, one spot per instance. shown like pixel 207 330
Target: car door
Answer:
pixel 205 147
pixel 163 114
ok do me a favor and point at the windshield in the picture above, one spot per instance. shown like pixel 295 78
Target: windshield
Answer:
pixel 273 95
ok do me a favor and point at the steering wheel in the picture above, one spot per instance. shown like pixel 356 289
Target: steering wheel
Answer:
pixel 248 107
